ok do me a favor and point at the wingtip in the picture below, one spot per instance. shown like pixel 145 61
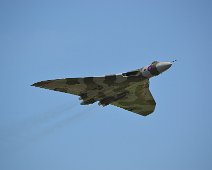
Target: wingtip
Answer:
pixel 35 85
pixel 41 83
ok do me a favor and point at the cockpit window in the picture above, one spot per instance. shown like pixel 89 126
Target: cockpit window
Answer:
pixel 154 62
pixel 131 73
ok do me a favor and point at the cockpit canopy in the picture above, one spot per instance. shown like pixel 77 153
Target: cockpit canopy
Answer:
pixel 131 73
pixel 155 62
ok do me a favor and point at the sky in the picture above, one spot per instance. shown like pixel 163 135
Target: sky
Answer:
pixel 43 40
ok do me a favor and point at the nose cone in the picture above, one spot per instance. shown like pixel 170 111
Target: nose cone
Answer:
pixel 163 66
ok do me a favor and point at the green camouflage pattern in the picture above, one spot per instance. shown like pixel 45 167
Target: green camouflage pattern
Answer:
pixel 129 91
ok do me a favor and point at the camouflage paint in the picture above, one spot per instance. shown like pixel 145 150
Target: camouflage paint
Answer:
pixel 128 90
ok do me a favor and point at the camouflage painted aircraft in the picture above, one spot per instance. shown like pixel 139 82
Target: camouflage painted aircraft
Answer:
pixel 129 90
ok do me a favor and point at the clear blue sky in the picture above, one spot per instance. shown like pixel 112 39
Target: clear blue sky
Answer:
pixel 41 40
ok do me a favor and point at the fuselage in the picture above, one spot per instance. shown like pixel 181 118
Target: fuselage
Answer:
pixel 151 70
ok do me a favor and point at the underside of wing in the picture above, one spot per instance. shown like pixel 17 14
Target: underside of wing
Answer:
pixel 130 93
pixel 139 99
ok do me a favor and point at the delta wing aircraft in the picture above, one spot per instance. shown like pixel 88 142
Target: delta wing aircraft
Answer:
pixel 129 90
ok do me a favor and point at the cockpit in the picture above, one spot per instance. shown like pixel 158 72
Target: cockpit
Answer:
pixel 155 62
pixel 131 73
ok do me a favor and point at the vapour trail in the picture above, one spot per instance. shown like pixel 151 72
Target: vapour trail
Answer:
pixel 27 126
pixel 66 121
pixel 43 118
pixel 70 120
pixel 51 129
